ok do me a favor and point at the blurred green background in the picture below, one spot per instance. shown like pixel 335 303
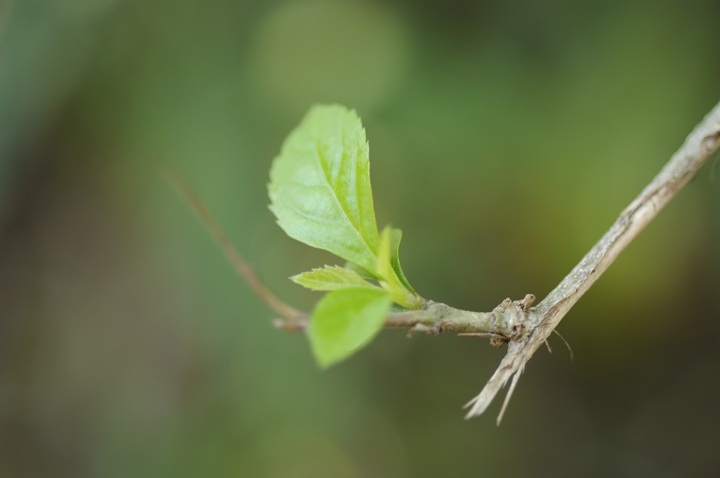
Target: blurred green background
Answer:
pixel 505 138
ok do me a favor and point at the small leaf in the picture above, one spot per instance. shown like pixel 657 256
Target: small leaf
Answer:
pixel 320 186
pixel 346 320
pixel 332 278
pixel 396 237
pixel 392 278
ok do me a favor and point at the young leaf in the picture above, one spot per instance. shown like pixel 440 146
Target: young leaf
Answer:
pixel 388 266
pixel 320 186
pixel 346 320
pixel 395 238
pixel 332 278
pixel 364 273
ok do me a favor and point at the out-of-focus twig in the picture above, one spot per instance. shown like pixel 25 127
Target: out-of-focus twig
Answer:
pixel 240 265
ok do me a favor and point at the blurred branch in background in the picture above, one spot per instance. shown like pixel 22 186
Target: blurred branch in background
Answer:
pixel 293 318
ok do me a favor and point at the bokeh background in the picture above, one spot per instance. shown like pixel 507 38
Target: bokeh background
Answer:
pixel 505 138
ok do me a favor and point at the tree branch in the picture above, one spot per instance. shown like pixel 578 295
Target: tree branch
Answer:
pixel 504 323
pixel 522 327
pixel 542 320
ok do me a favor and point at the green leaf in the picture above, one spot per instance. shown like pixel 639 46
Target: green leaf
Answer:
pixel 364 273
pixel 320 186
pixel 332 278
pixel 395 238
pixel 346 320
pixel 392 278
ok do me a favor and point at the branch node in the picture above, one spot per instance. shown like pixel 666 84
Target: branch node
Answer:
pixel 512 316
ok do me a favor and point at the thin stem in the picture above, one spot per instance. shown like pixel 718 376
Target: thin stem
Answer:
pixel 240 265
pixel 503 324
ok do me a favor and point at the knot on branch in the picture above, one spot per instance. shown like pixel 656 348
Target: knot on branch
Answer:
pixel 711 142
pixel 511 316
